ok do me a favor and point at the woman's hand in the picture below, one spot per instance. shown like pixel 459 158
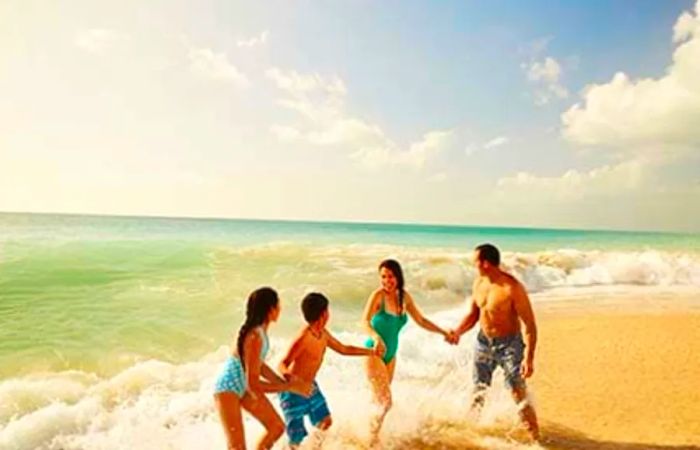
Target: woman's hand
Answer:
pixel 451 337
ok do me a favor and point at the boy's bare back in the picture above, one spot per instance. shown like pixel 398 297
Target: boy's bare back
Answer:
pixel 306 354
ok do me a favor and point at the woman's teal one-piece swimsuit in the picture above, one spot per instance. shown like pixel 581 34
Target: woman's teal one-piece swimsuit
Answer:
pixel 387 326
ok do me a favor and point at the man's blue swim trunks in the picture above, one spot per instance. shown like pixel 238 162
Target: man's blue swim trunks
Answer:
pixel 506 352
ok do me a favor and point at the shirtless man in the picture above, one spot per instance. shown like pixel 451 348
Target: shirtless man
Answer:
pixel 302 362
pixel 499 302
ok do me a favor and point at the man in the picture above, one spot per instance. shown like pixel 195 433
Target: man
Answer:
pixel 499 303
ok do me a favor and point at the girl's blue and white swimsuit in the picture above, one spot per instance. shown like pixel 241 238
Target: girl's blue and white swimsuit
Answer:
pixel 233 378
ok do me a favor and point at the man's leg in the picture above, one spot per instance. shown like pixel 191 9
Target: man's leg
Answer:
pixel 526 412
pixel 511 358
pixel 482 372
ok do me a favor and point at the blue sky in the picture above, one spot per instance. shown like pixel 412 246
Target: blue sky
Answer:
pixel 492 113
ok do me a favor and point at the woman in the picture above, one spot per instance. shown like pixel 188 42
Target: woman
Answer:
pixel 245 376
pixel 384 316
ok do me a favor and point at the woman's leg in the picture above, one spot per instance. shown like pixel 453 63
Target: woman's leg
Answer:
pixel 229 407
pixel 261 408
pixel 379 375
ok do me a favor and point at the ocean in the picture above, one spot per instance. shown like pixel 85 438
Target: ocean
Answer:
pixel 113 329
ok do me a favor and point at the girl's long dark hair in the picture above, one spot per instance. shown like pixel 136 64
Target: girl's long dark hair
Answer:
pixel 395 268
pixel 260 302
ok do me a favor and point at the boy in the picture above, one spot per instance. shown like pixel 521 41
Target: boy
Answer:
pixel 303 360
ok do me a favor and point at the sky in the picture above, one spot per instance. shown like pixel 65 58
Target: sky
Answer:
pixel 533 113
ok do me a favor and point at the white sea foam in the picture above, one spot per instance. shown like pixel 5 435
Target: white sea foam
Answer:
pixel 156 405
pixel 442 272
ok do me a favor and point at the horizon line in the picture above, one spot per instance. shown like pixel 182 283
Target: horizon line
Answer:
pixel 350 222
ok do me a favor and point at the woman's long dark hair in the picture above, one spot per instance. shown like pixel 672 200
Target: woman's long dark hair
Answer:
pixel 395 268
pixel 260 302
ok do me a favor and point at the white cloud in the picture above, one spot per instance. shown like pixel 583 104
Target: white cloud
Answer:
pixel 386 153
pixel 575 185
pixel 297 84
pixel 254 41
pixel 316 98
pixel 687 25
pixel 422 151
pixel 212 65
pixel 97 40
pixel 496 142
pixel 320 103
pixel 652 112
pixel 548 71
pixel 546 75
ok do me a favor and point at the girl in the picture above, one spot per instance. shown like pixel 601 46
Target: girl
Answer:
pixel 245 376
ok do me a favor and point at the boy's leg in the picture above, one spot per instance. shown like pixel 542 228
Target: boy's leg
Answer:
pixel 320 435
pixel 294 408
pixel 319 414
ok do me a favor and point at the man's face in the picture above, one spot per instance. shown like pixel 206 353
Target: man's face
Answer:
pixel 480 264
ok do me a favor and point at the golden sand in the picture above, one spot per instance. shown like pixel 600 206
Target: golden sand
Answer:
pixel 610 373
pixel 607 377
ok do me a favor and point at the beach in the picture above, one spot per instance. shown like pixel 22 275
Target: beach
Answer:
pixel 621 373
pixel 115 329
pixel 610 374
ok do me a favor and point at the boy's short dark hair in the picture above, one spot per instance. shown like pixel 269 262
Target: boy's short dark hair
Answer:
pixel 313 305
pixel 490 253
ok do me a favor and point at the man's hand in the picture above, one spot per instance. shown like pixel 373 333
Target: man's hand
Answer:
pixel 527 368
pixel 452 337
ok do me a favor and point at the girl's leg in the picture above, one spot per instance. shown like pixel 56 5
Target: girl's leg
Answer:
pixel 229 407
pixel 261 408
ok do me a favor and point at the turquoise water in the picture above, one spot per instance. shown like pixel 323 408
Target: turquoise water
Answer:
pixel 58 228
pixel 99 293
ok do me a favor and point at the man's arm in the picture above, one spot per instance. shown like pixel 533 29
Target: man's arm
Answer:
pixel 469 320
pixel 523 307
pixel 472 316
pixel 348 350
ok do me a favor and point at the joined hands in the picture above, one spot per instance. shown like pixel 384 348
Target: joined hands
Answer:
pixel 452 337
